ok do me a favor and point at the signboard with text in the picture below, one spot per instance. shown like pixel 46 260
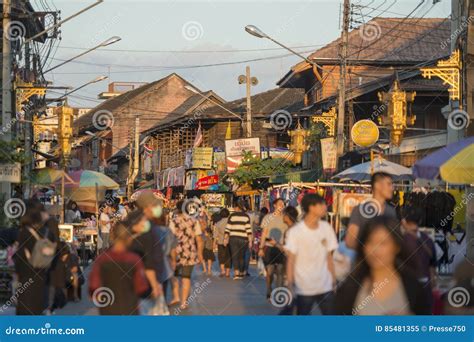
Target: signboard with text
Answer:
pixel 10 173
pixel 202 158
pixel 234 150
pixel 328 154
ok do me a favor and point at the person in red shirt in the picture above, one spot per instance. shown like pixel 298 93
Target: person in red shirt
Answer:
pixel 117 280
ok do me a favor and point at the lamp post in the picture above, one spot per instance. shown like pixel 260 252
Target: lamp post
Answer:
pixel 256 32
pixel 107 42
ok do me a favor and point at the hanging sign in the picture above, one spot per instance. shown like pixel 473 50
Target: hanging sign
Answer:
pixel 328 154
pixel 10 173
pixel 365 133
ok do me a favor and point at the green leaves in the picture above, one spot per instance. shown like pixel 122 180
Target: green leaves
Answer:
pixel 253 167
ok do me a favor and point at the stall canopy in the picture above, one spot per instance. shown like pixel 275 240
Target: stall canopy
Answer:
pixel 453 163
pixel 49 176
pixel 88 188
pixel 363 172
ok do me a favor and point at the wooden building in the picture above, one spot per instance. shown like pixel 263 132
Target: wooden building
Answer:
pixel 107 128
pixel 396 48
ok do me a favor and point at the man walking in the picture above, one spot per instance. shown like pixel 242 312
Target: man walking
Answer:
pixel 310 268
pixel 382 191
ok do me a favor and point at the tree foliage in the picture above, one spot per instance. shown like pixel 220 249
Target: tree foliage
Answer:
pixel 253 168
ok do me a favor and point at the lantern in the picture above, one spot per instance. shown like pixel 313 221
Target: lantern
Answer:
pixel 397 116
pixel 298 143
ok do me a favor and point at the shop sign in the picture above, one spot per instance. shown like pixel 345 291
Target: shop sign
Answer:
pixel 202 158
pixel 207 181
pixel 328 154
pixel 365 133
pixel 234 150
pixel 10 173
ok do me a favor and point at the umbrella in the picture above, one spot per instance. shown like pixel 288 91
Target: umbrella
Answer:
pixel 453 163
pixel 48 176
pixel 90 179
pixel 87 188
pixel 363 172
pixel 158 194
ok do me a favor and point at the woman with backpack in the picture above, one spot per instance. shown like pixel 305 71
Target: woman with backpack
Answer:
pixel 32 260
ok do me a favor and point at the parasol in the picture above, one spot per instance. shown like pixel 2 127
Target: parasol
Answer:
pixel 453 163
pixel 364 171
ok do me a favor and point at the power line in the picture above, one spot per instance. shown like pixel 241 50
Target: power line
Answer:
pixel 192 51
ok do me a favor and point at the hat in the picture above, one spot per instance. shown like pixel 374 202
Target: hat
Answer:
pixel 146 199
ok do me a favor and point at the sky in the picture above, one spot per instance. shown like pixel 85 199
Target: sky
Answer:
pixel 160 37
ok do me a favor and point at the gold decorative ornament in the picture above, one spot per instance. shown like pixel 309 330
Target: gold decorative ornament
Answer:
pixel 298 144
pixel 397 116
pixel 328 119
pixel 449 71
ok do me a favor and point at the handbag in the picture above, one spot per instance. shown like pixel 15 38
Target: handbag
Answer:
pixel 43 251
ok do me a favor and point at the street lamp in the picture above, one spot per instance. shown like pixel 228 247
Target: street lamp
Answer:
pixel 107 42
pixel 256 32
pixel 95 80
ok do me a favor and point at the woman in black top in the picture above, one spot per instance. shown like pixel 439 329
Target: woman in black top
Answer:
pixel 31 292
pixel 382 282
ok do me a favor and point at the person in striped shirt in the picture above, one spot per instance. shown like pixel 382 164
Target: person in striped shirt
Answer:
pixel 238 235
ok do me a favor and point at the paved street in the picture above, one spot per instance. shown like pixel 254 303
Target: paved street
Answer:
pixel 210 295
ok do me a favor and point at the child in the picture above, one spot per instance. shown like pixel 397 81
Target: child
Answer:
pixel 117 279
pixel 208 252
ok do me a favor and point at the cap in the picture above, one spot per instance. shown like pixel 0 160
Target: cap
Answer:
pixel 146 199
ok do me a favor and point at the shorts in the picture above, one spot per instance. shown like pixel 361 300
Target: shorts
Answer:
pixel 208 254
pixel 184 271
pixel 273 255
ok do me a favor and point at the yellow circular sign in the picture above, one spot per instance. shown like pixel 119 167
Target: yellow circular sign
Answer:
pixel 365 133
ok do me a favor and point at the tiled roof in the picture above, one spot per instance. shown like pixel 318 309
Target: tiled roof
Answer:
pixel 395 39
pixel 385 40
pixel 115 103
pixel 263 104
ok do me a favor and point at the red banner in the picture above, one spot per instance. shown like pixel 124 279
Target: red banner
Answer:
pixel 207 181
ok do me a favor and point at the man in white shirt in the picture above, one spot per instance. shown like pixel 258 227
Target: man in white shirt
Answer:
pixel 105 224
pixel 310 268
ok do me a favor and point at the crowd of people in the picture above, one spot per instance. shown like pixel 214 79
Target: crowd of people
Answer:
pixel 149 254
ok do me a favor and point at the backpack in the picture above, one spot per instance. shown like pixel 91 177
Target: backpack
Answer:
pixel 43 251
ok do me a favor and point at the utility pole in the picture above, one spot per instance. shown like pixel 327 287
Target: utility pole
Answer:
pixel 249 82
pixel 136 158
pixel 342 80
pixel 6 88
